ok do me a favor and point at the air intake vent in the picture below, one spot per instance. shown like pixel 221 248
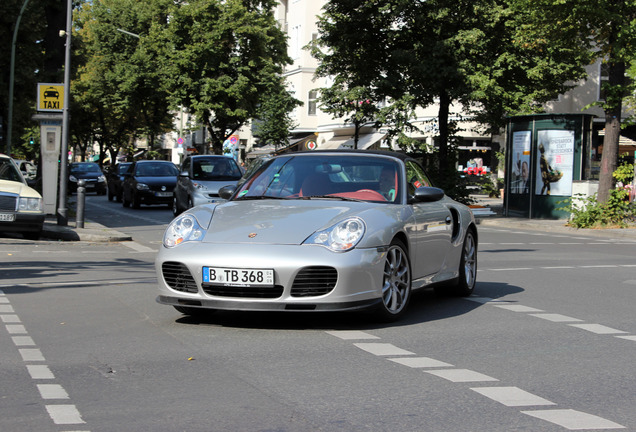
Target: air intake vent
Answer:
pixel 314 281
pixel 178 277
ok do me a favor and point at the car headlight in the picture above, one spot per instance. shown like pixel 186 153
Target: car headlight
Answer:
pixel 183 229
pixel 101 179
pixel 340 237
pixel 30 204
pixel 72 178
pixel 142 186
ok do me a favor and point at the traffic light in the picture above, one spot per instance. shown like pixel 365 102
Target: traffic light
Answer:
pixel 31 140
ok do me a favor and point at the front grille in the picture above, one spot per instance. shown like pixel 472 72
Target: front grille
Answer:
pixel 157 188
pixel 314 281
pixel 178 277
pixel 243 292
pixel 8 202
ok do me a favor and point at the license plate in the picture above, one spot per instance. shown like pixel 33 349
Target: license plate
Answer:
pixel 163 194
pixel 238 277
pixel 7 217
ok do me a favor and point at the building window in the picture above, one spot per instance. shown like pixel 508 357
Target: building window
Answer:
pixel 311 102
pixel 294 42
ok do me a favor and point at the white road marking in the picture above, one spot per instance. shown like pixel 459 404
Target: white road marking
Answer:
pixel 382 349
pixel 573 420
pixel 138 247
pixel 460 375
pixel 420 362
pixel 6 308
pixel 631 338
pixel 64 414
pixel 597 328
pixel 555 317
pixel 10 319
pixel 512 396
pixel 16 329
pixel 31 354
pixel 23 341
pixel 40 372
pixel 352 334
pixel 4 299
pixel 518 308
pixel 52 391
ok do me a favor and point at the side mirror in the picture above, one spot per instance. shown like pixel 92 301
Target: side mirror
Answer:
pixel 227 191
pixel 427 194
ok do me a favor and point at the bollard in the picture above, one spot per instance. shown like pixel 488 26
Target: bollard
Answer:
pixel 81 198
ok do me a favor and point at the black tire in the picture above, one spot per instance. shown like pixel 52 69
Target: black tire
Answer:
pixel 396 283
pixel 464 285
pixel 176 211
pixel 124 201
pixel 193 311
pixel 136 202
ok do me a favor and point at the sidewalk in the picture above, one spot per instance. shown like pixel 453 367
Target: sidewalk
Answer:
pixel 490 213
pixel 92 232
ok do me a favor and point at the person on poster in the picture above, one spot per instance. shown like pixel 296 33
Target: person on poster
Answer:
pixel 545 171
pixel 524 187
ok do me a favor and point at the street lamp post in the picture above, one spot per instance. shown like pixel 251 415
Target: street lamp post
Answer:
pixel 62 218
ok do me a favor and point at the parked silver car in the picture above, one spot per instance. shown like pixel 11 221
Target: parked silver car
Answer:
pixel 320 231
pixel 200 178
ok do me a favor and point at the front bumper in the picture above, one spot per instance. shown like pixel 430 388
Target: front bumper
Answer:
pixel 358 284
pixel 24 222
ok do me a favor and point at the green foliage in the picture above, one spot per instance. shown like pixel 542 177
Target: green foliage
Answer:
pixel 624 173
pixel 617 211
pixel 225 56
pixel 274 120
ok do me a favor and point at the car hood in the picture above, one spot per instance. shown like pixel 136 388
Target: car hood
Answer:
pixel 288 221
pixel 18 189
pixel 153 181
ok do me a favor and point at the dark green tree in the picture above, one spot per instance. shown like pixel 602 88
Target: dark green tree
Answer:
pixel 274 119
pixel 226 56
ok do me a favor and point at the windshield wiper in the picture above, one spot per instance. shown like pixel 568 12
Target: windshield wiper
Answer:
pixel 257 197
pixel 341 198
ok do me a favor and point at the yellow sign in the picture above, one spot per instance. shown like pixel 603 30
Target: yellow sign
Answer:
pixel 50 97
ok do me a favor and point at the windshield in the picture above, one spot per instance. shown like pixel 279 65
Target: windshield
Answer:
pixel 8 171
pixel 366 178
pixel 85 168
pixel 156 170
pixel 220 168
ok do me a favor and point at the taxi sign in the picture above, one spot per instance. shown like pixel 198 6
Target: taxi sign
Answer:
pixel 50 97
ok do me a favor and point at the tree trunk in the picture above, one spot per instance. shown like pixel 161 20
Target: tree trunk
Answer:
pixel 609 159
pixel 444 107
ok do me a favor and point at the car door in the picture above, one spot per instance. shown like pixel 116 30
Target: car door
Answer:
pixel 127 183
pixel 433 227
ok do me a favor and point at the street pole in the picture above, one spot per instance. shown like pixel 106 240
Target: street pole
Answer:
pixel 7 147
pixel 62 218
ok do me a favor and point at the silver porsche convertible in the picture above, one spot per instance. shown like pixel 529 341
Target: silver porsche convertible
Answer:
pixel 320 231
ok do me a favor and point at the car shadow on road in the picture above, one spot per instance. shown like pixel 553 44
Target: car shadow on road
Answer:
pixel 425 306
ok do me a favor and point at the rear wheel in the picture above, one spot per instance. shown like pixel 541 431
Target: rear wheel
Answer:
pixel 396 283
pixel 464 285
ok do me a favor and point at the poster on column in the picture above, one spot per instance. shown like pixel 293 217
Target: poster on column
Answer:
pixel 519 183
pixel 555 162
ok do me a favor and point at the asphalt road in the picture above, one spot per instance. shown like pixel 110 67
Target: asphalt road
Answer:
pixel 547 343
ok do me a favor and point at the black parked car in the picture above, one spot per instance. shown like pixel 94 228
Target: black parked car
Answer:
pixel 115 179
pixel 91 173
pixel 149 182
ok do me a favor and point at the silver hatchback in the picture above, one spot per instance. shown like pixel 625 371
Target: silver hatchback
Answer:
pixel 200 178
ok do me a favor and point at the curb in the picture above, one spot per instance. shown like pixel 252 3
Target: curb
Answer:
pixel 93 232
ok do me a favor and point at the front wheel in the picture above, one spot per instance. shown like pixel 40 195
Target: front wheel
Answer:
pixel 176 211
pixel 396 283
